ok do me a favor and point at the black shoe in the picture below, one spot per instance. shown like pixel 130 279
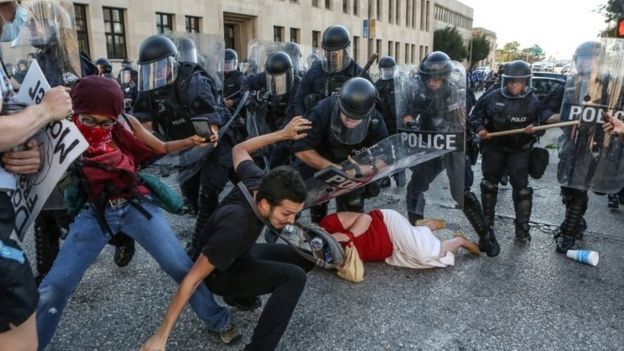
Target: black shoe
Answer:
pixel 522 234
pixel 565 243
pixel 614 202
pixel 489 244
pixel 243 303
pixel 124 254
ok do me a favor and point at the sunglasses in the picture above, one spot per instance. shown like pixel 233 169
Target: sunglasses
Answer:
pixel 92 122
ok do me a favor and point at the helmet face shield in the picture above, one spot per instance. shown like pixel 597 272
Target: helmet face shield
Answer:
pixel 278 83
pixel 347 130
pixel 230 65
pixel 336 61
pixel 157 74
pixel 125 77
pixel 387 72
pixel 515 87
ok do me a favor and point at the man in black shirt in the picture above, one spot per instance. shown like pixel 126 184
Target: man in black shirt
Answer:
pixel 232 264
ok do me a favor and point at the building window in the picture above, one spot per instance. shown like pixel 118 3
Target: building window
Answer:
pixel 398 13
pixel 164 23
pixel 294 35
pixel 192 24
pixel 315 3
pixel 421 53
pixel 390 47
pixel 115 33
pixel 427 15
pixel 379 10
pixel 413 53
pixel 407 13
pixel 422 14
pixel 356 7
pixel 345 6
pixel 414 14
pixel 356 47
pixel 390 8
pixel 370 48
pixel 407 51
pixel 278 33
pixel 80 12
pixel 378 51
pixel 316 39
pixel 397 52
pixel 328 4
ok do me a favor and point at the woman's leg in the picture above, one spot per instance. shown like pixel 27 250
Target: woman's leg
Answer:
pixel 20 338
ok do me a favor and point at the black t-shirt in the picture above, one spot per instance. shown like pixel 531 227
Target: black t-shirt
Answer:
pixel 233 228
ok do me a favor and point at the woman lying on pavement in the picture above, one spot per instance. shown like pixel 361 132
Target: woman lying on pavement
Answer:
pixel 116 201
pixel 387 235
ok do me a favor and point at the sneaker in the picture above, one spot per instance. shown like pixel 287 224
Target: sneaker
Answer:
pixel 230 334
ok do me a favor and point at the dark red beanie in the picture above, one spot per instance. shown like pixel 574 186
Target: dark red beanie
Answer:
pixel 95 95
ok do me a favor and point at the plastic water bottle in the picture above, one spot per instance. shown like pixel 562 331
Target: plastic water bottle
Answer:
pixel 316 245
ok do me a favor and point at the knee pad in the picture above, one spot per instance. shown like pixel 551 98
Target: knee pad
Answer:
pixel 524 193
pixel 488 187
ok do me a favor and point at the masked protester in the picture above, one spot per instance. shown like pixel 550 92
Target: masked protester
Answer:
pixel 342 125
pixel 271 108
pixel 116 199
pixel 512 106
pixel 327 76
pixel 182 99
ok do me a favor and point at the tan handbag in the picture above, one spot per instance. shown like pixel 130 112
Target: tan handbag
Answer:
pixel 353 268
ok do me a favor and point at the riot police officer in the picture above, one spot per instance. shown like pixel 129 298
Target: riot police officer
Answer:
pixel 512 106
pixel 105 67
pixel 385 88
pixel 271 107
pixel 327 77
pixel 342 125
pixel 574 199
pixel 294 52
pixel 182 99
pixel 128 80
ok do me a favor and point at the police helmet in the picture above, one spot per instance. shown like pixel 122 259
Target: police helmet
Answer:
pixel 516 71
pixel 158 62
pixel 356 104
pixel 387 66
pixel 335 37
pixel 187 50
pixel 279 73
pixel 231 60
pixel 105 63
pixel 436 65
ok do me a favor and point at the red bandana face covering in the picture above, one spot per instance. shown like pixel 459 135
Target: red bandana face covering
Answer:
pixel 98 138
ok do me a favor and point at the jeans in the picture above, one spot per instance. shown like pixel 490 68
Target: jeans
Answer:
pixel 274 269
pixel 85 242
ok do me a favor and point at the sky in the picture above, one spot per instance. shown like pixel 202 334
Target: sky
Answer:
pixel 557 26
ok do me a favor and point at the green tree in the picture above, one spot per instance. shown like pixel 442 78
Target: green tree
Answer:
pixel 509 52
pixel 449 41
pixel 480 49
pixel 612 11
pixel 532 54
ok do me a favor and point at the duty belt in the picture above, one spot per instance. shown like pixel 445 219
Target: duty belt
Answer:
pixel 11 253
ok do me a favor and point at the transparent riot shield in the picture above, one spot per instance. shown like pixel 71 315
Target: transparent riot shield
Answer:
pixel 49 37
pixel 206 50
pixel 431 107
pixel 391 155
pixel 589 159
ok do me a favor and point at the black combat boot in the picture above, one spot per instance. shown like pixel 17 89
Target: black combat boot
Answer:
pixel 523 203
pixel 124 249
pixel 474 214
pixel 489 193
pixel 575 209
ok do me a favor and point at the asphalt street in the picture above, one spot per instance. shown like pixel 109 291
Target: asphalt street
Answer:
pixel 527 298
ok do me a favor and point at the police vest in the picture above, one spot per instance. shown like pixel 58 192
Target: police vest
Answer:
pixel 169 106
pixel 509 114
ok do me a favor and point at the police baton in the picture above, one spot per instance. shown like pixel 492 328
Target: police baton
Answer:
pixel 538 128
pixel 370 61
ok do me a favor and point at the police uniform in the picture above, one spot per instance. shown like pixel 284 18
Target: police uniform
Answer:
pixel 495 112
pixel 321 139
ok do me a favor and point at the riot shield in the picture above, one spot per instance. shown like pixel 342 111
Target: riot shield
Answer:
pixel 207 50
pixel 49 37
pixel 391 155
pixel 589 159
pixel 431 107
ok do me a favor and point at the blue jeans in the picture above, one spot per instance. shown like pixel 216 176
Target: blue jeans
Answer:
pixel 85 242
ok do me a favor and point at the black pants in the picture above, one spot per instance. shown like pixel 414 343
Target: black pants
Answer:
pixel 495 161
pixel 272 269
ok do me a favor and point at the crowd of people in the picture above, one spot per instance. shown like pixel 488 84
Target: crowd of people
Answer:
pixel 267 130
